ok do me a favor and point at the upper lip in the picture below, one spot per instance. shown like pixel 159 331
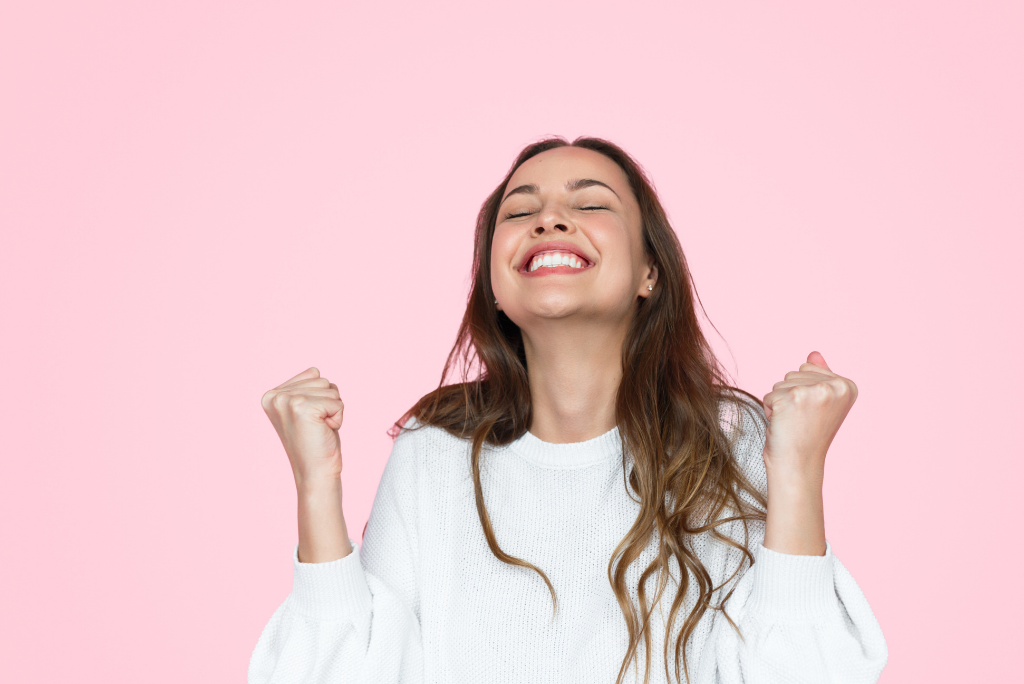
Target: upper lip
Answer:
pixel 553 246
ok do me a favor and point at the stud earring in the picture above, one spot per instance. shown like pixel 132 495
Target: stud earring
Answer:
pixel 650 288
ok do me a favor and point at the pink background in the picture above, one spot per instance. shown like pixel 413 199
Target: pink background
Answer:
pixel 199 200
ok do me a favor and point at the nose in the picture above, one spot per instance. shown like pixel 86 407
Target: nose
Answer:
pixel 551 220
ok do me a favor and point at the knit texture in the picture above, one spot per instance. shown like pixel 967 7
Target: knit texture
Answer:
pixel 424 601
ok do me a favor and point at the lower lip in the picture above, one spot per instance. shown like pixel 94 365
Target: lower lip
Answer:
pixel 554 270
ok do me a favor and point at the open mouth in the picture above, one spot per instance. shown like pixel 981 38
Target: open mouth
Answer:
pixel 550 259
pixel 563 260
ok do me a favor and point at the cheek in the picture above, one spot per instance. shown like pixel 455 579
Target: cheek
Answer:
pixel 618 253
pixel 503 248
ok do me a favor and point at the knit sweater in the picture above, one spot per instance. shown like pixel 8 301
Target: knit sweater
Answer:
pixel 423 600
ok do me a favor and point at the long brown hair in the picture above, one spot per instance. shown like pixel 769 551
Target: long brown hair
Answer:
pixel 667 409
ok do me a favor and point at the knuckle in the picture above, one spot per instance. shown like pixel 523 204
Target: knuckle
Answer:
pixel 801 394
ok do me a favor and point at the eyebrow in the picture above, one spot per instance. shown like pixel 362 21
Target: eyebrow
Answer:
pixel 581 183
pixel 521 190
pixel 571 186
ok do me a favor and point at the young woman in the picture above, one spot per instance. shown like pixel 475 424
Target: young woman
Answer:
pixel 597 504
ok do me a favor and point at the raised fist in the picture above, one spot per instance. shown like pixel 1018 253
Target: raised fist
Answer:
pixel 307 412
pixel 805 411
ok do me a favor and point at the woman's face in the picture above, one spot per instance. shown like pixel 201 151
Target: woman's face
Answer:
pixel 570 205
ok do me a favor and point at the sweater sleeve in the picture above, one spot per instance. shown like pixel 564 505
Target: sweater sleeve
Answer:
pixel 798 618
pixel 355 619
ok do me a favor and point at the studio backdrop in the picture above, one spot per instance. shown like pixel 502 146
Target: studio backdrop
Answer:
pixel 198 200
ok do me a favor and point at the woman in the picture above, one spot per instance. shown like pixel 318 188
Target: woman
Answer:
pixel 596 500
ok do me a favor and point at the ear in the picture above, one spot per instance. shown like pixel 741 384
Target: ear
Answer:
pixel 650 280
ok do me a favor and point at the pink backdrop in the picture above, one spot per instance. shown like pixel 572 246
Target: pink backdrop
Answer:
pixel 199 200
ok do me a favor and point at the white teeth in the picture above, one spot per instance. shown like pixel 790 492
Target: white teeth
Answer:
pixel 556 259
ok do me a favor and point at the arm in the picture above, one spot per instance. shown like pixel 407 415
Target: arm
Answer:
pixel 345 620
pixel 323 534
pixel 804 412
pixel 307 412
pixel 800 615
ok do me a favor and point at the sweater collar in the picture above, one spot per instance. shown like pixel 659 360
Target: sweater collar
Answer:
pixel 603 448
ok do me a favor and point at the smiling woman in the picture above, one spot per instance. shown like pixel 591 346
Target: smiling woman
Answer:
pixel 595 494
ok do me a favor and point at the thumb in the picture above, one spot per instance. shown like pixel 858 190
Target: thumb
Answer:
pixel 332 412
pixel 818 360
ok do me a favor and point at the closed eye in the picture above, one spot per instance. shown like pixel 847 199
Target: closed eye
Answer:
pixel 517 215
pixel 591 208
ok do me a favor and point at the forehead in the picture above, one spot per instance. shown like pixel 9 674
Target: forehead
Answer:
pixel 555 167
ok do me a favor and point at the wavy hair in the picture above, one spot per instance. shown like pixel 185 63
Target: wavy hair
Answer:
pixel 667 408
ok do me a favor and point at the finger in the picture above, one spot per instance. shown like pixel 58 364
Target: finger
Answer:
pixel 811 368
pixel 818 360
pixel 314 392
pixel 308 382
pixel 325 401
pixel 787 384
pixel 311 372
pixel 768 400
pixel 816 374
pixel 323 407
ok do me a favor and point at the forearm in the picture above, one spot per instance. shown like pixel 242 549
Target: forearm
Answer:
pixel 323 535
pixel 796 516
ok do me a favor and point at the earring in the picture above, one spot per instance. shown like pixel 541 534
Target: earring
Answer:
pixel 650 288
pixel 495 301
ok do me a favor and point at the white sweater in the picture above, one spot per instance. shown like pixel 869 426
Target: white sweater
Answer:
pixel 424 601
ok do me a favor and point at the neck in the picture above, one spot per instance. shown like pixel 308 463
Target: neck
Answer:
pixel 575 368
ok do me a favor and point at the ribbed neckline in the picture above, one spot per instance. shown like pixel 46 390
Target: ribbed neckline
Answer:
pixel 572 455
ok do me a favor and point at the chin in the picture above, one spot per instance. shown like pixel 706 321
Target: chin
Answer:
pixel 553 308
pixel 559 306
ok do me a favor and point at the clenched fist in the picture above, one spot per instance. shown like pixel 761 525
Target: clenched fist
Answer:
pixel 804 413
pixel 307 412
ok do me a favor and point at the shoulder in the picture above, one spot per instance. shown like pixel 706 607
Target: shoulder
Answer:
pixel 427 440
pixel 427 451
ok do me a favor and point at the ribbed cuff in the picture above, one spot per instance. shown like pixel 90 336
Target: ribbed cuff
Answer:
pixel 331 591
pixel 792 588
